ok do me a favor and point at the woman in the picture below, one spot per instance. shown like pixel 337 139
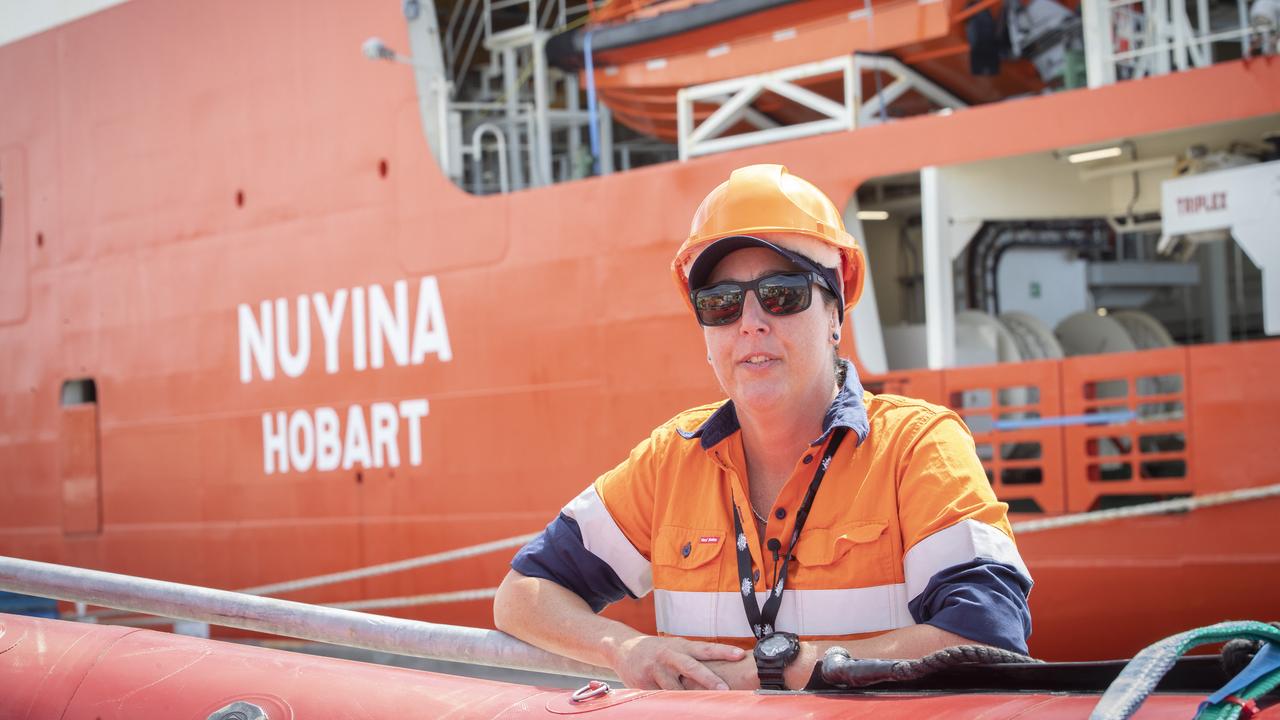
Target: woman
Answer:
pixel 799 514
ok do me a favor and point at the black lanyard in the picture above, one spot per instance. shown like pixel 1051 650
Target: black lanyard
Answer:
pixel 762 622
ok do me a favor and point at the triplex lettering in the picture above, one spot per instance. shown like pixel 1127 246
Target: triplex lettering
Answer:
pixel 1213 202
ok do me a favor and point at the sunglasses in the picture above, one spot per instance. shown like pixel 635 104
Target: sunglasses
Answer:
pixel 784 293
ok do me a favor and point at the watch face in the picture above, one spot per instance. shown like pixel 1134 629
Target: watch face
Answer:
pixel 774 645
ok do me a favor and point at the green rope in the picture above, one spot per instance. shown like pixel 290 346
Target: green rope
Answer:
pixel 1227 710
pixel 1127 693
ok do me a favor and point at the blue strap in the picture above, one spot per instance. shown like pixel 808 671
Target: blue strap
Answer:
pixel 1264 663
pixel 593 120
pixel 1107 418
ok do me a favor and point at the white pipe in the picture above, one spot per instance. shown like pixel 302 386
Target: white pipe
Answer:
pixel 606 139
pixel 284 617
pixel 1098 43
pixel 477 152
pixel 1158 163
pixel 541 103
pixel 939 300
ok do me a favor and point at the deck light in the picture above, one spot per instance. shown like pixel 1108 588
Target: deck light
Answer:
pixel 1091 155
pixel 375 49
pixel 873 215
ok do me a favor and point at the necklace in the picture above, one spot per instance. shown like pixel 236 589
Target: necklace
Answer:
pixel 761 518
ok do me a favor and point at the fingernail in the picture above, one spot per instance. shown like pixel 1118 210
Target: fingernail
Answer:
pixel 722 686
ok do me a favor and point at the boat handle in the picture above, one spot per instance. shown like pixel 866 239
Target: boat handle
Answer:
pixel 592 690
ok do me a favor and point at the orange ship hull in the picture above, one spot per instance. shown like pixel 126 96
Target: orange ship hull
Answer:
pixel 174 165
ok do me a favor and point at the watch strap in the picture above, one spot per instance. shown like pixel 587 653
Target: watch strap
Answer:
pixel 771 675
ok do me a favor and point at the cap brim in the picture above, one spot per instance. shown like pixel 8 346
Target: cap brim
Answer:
pixel 707 260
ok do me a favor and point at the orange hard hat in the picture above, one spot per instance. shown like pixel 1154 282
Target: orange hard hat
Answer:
pixel 768 199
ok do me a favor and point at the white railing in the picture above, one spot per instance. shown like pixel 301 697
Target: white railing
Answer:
pixel 736 97
pixel 284 617
pixel 1130 39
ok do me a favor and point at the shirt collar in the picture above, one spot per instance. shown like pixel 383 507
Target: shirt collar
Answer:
pixel 847 411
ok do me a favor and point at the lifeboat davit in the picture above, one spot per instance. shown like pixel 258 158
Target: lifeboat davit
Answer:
pixel 644 51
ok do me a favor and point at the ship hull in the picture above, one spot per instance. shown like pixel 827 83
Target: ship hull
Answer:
pixel 156 202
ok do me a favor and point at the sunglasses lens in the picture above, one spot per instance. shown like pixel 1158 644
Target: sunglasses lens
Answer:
pixel 784 294
pixel 719 305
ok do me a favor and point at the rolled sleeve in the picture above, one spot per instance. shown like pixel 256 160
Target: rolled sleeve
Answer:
pixel 980 600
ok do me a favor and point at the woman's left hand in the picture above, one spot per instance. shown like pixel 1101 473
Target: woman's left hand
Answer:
pixel 743 675
pixel 738 675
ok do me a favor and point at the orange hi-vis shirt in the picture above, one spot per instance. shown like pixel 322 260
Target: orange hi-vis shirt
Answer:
pixel 904 529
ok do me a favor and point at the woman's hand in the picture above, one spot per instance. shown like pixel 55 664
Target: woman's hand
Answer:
pixel 670 663
pixel 738 675
pixel 743 674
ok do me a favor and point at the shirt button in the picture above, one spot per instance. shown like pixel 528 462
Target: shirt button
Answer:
pixel 780 513
pixel 755 576
pixel 688 548
pixel 808 459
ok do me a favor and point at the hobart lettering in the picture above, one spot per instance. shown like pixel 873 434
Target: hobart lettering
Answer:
pixel 279 337
pixel 323 440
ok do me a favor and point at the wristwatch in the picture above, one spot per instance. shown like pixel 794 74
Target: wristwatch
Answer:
pixel 773 654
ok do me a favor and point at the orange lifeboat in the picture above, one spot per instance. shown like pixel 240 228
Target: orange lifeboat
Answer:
pixel 75 671
pixel 644 51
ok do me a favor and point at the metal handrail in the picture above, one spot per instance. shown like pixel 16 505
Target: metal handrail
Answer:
pixel 450 27
pixel 285 617
pixel 471 40
pixel 477 153
pixel 1166 40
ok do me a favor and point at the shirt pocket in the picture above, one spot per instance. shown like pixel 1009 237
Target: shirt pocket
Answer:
pixel 688 558
pixel 848 555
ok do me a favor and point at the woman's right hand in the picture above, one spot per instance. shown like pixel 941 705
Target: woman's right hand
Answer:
pixel 647 662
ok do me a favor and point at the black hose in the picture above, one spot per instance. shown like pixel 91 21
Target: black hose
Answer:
pixel 841 670
pixel 994 238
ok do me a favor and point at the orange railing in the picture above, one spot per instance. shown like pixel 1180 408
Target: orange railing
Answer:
pixel 1010 409
pixel 923 384
pixel 1143 455
pixel 1098 431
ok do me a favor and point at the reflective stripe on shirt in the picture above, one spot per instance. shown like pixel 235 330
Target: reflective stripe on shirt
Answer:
pixel 803 612
pixel 961 543
pixel 604 539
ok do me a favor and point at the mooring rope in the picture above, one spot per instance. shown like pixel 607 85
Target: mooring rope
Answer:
pixel 1020 528
pixel 1158 507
